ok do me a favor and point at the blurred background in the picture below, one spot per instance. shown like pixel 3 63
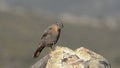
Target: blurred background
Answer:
pixel 94 24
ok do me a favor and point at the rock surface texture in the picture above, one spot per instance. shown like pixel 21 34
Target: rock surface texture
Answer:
pixel 63 57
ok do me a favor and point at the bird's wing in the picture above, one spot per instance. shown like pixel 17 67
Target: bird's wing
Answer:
pixel 46 32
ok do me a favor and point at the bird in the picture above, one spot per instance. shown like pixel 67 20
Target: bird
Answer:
pixel 49 37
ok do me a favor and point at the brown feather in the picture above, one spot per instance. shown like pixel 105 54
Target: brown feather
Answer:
pixel 38 51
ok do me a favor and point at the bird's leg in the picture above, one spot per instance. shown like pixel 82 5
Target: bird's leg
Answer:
pixel 53 46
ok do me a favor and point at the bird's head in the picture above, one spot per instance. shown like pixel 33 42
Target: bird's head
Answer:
pixel 59 23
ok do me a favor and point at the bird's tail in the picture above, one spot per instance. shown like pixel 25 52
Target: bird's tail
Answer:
pixel 38 51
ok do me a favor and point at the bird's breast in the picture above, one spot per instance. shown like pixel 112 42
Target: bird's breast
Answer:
pixel 54 33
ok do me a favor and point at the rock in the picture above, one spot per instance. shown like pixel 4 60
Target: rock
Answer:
pixel 63 57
